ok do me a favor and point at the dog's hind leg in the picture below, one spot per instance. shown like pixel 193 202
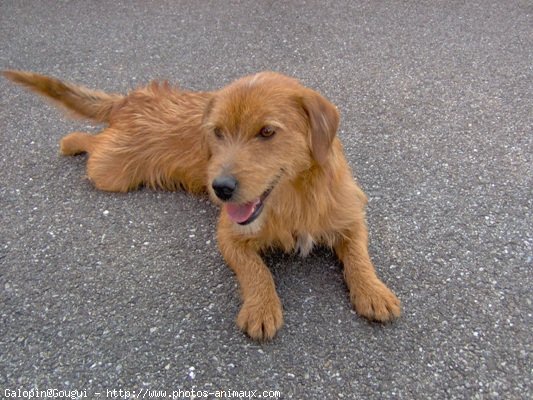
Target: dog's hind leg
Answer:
pixel 77 143
pixel 111 173
pixel 109 168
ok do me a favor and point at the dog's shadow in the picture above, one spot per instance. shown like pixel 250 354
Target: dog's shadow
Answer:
pixel 307 280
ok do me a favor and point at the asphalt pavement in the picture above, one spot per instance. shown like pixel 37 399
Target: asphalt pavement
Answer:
pixel 105 292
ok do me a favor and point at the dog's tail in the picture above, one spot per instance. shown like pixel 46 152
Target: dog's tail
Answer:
pixel 82 102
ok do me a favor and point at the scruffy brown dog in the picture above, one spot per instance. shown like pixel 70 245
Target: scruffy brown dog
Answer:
pixel 264 147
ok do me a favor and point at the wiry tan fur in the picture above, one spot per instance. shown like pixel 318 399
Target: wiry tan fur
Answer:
pixel 164 137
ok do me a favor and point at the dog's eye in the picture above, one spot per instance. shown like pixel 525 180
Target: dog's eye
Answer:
pixel 266 132
pixel 218 133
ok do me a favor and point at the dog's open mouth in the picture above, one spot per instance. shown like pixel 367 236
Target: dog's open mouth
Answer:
pixel 243 214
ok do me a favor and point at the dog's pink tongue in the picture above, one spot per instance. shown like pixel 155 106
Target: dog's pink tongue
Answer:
pixel 241 212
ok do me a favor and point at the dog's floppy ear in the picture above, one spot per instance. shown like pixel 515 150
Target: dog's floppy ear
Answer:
pixel 207 110
pixel 323 122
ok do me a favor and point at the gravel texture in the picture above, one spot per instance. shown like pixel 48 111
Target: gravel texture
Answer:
pixel 102 292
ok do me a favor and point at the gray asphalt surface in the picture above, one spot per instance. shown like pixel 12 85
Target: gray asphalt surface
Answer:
pixel 104 291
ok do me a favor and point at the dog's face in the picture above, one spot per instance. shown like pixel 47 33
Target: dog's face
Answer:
pixel 263 132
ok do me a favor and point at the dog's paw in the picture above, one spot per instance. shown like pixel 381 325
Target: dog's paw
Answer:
pixel 376 302
pixel 261 320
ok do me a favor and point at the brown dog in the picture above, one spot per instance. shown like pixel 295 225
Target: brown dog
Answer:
pixel 264 147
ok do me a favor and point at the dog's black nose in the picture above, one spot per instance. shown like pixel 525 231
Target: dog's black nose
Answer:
pixel 224 187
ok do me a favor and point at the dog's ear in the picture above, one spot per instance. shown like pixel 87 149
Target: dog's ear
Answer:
pixel 323 122
pixel 207 111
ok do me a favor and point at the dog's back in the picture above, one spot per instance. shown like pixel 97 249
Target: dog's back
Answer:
pixel 154 134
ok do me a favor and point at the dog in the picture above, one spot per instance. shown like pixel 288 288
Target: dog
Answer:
pixel 264 147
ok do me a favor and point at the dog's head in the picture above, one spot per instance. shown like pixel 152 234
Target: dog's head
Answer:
pixel 263 132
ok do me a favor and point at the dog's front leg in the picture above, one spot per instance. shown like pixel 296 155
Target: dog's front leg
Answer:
pixel 369 296
pixel 261 314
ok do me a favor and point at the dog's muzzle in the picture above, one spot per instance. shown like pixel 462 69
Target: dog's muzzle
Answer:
pixel 246 213
pixel 224 187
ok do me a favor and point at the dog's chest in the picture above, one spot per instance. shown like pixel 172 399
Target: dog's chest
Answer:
pixel 304 244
